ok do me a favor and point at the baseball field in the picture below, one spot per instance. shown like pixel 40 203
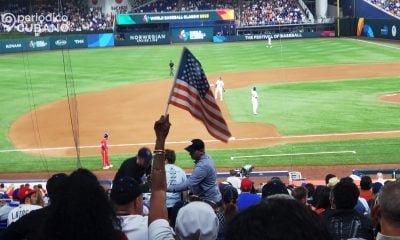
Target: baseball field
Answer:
pixel 322 102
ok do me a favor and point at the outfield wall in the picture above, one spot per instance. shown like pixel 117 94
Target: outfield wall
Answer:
pixel 56 43
pixel 179 35
pixel 372 28
pixel 378 28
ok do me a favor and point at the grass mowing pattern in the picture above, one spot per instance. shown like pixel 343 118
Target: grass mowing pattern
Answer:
pixel 29 80
pixel 368 151
pixel 320 107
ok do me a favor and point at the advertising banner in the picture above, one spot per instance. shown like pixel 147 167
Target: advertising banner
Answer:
pixel 273 36
pixel 38 44
pixel 195 34
pixel 169 17
pixel 378 28
pixel 12 46
pixel 25 44
pixel 68 41
pixel 100 40
pixel 143 38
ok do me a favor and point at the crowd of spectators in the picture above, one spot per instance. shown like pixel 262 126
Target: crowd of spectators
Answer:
pixel 391 6
pixel 271 13
pixel 73 16
pixel 185 6
pixel 248 13
pixel 77 16
pixel 77 204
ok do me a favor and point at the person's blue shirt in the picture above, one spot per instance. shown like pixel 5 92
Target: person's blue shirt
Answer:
pixel 247 199
pixel 202 182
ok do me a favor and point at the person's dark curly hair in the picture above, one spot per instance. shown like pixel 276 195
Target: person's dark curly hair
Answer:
pixel 321 197
pixel 83 212
pixel 170 156
pixel 366 183
pixel 277 218
pixel 345 195
pixel 229 197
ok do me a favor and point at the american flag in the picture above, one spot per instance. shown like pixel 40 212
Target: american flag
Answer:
pixel 191 92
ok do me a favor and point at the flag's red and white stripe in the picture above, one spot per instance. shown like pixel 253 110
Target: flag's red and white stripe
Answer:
pixel 206 110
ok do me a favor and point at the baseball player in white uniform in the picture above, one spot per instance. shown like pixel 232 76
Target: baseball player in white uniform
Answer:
pixel 219 88
pixel 269 45
pixel 254 100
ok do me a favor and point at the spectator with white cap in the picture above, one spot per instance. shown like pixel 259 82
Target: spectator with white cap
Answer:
pixel 196 220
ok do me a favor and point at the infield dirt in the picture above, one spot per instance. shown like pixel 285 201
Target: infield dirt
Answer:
pixel 128 114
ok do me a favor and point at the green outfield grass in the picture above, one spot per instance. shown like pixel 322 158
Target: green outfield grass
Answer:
pixel 321 107
pixel 29 80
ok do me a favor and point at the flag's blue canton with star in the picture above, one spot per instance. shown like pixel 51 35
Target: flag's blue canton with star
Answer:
pixel 193 74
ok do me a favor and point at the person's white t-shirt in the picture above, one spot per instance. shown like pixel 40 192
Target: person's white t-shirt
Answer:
pixel 175 175
pixel 235 181
pixel 135 226
pixel 160 230
pixel 20 211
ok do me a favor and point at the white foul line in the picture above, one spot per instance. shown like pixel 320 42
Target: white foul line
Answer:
pixel 207 141
pixel 374 43
pixel 292 154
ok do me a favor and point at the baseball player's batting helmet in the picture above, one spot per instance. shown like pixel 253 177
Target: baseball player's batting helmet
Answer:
pixel 105 135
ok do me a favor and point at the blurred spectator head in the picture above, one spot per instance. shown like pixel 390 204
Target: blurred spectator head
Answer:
pixel 54 185
pixel 376 187
pixel 228 193
pixel 144 157
pixel 170 156
pixel 84 210
pixel 300 194
pixel 321 197
pixel 386 209
pixel 4 198
pixel 366 183
pixel 329 176
pixel 277 218
pixel 274 187
pixel 37 198
pixel 125 190
pixel 24 192
pixel 246 185
pixel 195 145
pixel 196 220
pixel 344 195
pixel 332 182
pixel 310 188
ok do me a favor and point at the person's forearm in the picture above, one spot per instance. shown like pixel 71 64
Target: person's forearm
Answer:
pixel 158 208
pixel 158 187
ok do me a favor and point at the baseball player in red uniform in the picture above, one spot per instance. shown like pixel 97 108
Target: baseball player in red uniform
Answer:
pixel 104 152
